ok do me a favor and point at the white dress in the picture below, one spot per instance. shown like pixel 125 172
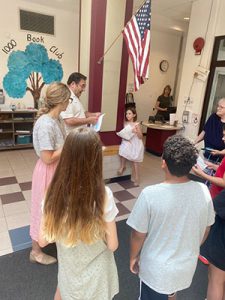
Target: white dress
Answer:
pixel 133 149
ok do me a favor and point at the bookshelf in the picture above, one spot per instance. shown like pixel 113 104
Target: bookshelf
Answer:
pixel 16 129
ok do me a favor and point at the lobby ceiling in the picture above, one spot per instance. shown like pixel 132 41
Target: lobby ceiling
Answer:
pixel 173 10
pixel 177 9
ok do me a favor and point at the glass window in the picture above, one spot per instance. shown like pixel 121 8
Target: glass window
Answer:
pixel 221 53
pixel 217 90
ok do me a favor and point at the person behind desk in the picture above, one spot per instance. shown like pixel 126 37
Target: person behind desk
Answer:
pixel 163 102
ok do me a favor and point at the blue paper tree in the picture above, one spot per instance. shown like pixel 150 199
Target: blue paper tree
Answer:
pixel 34 65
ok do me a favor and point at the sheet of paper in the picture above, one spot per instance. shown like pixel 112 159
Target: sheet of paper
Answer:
pixel 201 163
pixel 98 125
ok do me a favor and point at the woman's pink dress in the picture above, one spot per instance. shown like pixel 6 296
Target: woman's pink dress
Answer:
pixel 41 179
pixel 48 134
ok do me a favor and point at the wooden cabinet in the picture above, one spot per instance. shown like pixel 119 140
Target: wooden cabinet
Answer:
pixel 16 129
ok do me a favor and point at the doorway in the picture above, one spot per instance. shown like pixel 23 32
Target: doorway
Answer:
pixel 216 83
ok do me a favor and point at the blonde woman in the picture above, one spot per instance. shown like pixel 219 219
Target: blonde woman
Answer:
pixel 79 215
pixel 48 138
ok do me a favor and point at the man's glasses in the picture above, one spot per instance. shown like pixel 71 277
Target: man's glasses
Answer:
pixel 83 86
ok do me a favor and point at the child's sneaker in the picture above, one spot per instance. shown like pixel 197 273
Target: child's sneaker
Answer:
pixel 203 260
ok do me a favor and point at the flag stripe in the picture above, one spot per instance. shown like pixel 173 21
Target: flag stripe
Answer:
pixel 131 51
pixel 137 36
pixel 133 39
pixel 145 57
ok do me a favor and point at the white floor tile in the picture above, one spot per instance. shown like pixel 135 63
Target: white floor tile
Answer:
pixel 13 209
pixel 28 204
pixel 28 152
pixel 3 225
pixel 24 177
pixel 31 165
pixel 5 165
pixel 23 171
pixel 18 165
pixel 129 204
pixel 8 189
pixel 27 195
pixel 3 154
pixel 115 187
pixel 1 210
pixel 135 191
pixel 20 220
pixel 5 241
pixel 6 172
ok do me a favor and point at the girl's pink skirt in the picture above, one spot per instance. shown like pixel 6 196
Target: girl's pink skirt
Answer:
pixel 41 179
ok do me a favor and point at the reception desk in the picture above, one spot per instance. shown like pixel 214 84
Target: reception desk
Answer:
pixel 156 136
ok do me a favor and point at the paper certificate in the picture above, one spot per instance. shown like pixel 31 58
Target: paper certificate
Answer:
pixel 98 125
pixel 201 163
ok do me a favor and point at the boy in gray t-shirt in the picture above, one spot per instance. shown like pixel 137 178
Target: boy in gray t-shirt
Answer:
pixel 169 222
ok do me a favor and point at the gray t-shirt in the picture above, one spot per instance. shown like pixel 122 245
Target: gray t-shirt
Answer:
pixel 48 134
pixel 175 217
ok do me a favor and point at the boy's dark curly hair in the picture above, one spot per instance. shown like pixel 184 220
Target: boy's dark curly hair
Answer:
pixel 180 155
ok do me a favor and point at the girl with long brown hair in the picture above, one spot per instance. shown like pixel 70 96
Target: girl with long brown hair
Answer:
pixel 79 215
pixel 48 138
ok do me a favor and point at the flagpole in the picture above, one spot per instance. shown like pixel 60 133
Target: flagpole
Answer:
pixel 102 57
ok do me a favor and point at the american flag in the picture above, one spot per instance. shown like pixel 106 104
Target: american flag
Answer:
pixel 137 36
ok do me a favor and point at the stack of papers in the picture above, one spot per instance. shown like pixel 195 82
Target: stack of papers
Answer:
pixel 201 163
pixel 98 125
pixel 126 133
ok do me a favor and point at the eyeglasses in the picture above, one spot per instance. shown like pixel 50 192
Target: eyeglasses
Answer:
pixel 220 106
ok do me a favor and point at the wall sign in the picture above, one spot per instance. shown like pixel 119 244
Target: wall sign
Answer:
pixel 31 69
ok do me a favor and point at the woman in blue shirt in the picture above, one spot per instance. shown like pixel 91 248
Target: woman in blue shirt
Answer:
pixel 213 133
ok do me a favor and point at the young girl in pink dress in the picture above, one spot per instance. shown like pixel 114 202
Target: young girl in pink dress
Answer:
pixel 133 149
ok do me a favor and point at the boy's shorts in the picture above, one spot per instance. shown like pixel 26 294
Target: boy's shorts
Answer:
pixel 146 293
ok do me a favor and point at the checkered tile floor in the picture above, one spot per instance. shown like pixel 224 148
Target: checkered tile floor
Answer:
pixel 15 195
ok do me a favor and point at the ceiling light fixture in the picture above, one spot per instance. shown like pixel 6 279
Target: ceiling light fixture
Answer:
pixel 176 28
pixel 186 18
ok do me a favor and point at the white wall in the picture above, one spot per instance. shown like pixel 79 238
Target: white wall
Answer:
pixel 164 45
pixel 202 24
pixel 115 12
pixel 65 38
pixel 85 46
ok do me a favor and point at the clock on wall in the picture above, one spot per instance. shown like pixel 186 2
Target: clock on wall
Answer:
pixel 164 65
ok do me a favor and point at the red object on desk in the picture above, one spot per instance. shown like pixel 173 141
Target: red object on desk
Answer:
pixel 155 139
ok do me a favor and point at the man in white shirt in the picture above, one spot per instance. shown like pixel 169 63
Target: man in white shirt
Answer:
pixel 75 115
pixel 169 222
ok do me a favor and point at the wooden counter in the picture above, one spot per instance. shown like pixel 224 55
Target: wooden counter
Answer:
pixel 110 150
pixel 157 133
